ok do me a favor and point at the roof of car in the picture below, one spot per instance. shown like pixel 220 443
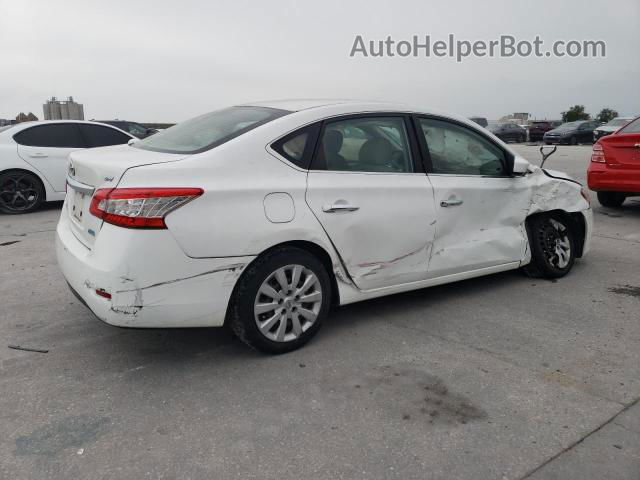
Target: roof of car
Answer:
pixel 296 105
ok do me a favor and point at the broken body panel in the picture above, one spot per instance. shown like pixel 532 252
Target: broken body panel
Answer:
pixel 400 238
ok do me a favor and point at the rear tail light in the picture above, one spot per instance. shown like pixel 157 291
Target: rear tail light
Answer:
pixel 139 207
pixel 598 154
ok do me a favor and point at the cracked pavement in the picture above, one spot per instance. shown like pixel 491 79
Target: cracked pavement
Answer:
pixel 501 377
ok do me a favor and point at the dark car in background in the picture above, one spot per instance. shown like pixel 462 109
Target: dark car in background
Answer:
pixel 134 128
pixel 508 131
pixel 480 121
pixel 538 128
pixel 572 133
pixel 610 127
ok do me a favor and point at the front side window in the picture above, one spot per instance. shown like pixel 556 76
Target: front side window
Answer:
pixel 633 127
pixel 458 150
pixel 99 136
pixel 56 135
pixel 210 130
pixel 366 144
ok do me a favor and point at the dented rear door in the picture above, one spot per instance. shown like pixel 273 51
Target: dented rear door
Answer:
pixel 377 210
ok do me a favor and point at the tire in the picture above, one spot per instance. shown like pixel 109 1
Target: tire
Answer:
pixel 20 192
pixel 573 141
pixel 279 332
pixel 552 244
pixel 547 143
pixel 611 199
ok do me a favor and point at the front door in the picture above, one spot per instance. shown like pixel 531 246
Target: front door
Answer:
pixel 47 148
pixel 371 199
pixel 480 210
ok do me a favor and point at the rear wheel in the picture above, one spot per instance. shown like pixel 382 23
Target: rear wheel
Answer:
pixel 280 301
pixel 20 192
pixel 611 199
pixel 573 141
pixel 552 246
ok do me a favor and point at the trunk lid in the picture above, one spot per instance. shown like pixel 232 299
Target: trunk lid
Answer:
pixel 90 170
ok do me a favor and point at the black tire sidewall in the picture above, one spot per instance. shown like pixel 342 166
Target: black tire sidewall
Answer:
pixel 38 186
pixel 247 289
pixel 537 250
pixel 611 199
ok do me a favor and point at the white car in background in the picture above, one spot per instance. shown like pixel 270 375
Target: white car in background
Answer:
pixel 263 216
pixel 34 157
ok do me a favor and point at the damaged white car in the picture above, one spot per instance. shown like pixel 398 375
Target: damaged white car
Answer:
pixel 263 216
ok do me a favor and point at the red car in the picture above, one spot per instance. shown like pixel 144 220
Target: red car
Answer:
pixel 614 171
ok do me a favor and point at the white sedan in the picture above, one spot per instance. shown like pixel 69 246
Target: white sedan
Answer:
pixel 263 216
pixel 34 156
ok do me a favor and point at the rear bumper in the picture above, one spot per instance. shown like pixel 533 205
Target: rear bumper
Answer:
pixel 152 283
pixel 605 178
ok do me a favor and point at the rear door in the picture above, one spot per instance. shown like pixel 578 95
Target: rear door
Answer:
pixel 47 148
pixel 367 189
pixel 480 209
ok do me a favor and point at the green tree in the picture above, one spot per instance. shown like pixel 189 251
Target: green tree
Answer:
pixel 575 113
pixel 606 115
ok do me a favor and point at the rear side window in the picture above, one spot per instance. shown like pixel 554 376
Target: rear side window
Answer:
pixel 60 135
pixel 297 147
pixel 99 136
pixel 365 144
pixel 208 131
pixel 633 127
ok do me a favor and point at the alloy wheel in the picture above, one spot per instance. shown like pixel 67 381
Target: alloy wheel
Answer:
pixel 556 244
pixel 288 303
pixel 18 192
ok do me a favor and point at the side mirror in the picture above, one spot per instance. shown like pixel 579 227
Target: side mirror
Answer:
pixel 520 166
pixel 132 141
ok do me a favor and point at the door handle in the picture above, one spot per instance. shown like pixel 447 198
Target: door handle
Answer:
pixel 451 203
pixel 38 155
pixel 339 207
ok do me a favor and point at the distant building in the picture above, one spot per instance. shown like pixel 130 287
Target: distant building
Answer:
pixel 56 109
pixel 22 117
pixel 4 122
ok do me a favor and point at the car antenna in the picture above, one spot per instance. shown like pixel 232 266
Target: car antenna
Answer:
pixel 546 155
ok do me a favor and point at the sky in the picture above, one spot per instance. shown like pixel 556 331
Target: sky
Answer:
pixel 161 61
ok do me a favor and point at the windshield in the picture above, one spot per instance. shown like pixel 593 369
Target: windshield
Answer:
pixel 569 126
pixel 618 122
pixel 633 127
pixel 210 130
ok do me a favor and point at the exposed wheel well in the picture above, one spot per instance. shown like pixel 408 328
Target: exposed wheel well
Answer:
pixel 575 220
pixel 44 190
pixel 322 255
pixel 315 250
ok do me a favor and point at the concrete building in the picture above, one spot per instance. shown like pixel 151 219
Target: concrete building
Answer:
pixel 56 109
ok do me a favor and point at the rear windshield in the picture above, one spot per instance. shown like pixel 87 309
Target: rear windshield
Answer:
pixel 618 122
pixel 633 127
pixel 210 130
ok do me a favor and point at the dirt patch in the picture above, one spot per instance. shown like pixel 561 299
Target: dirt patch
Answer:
pixel 416 396
pixel 628 290
pixel 68 432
